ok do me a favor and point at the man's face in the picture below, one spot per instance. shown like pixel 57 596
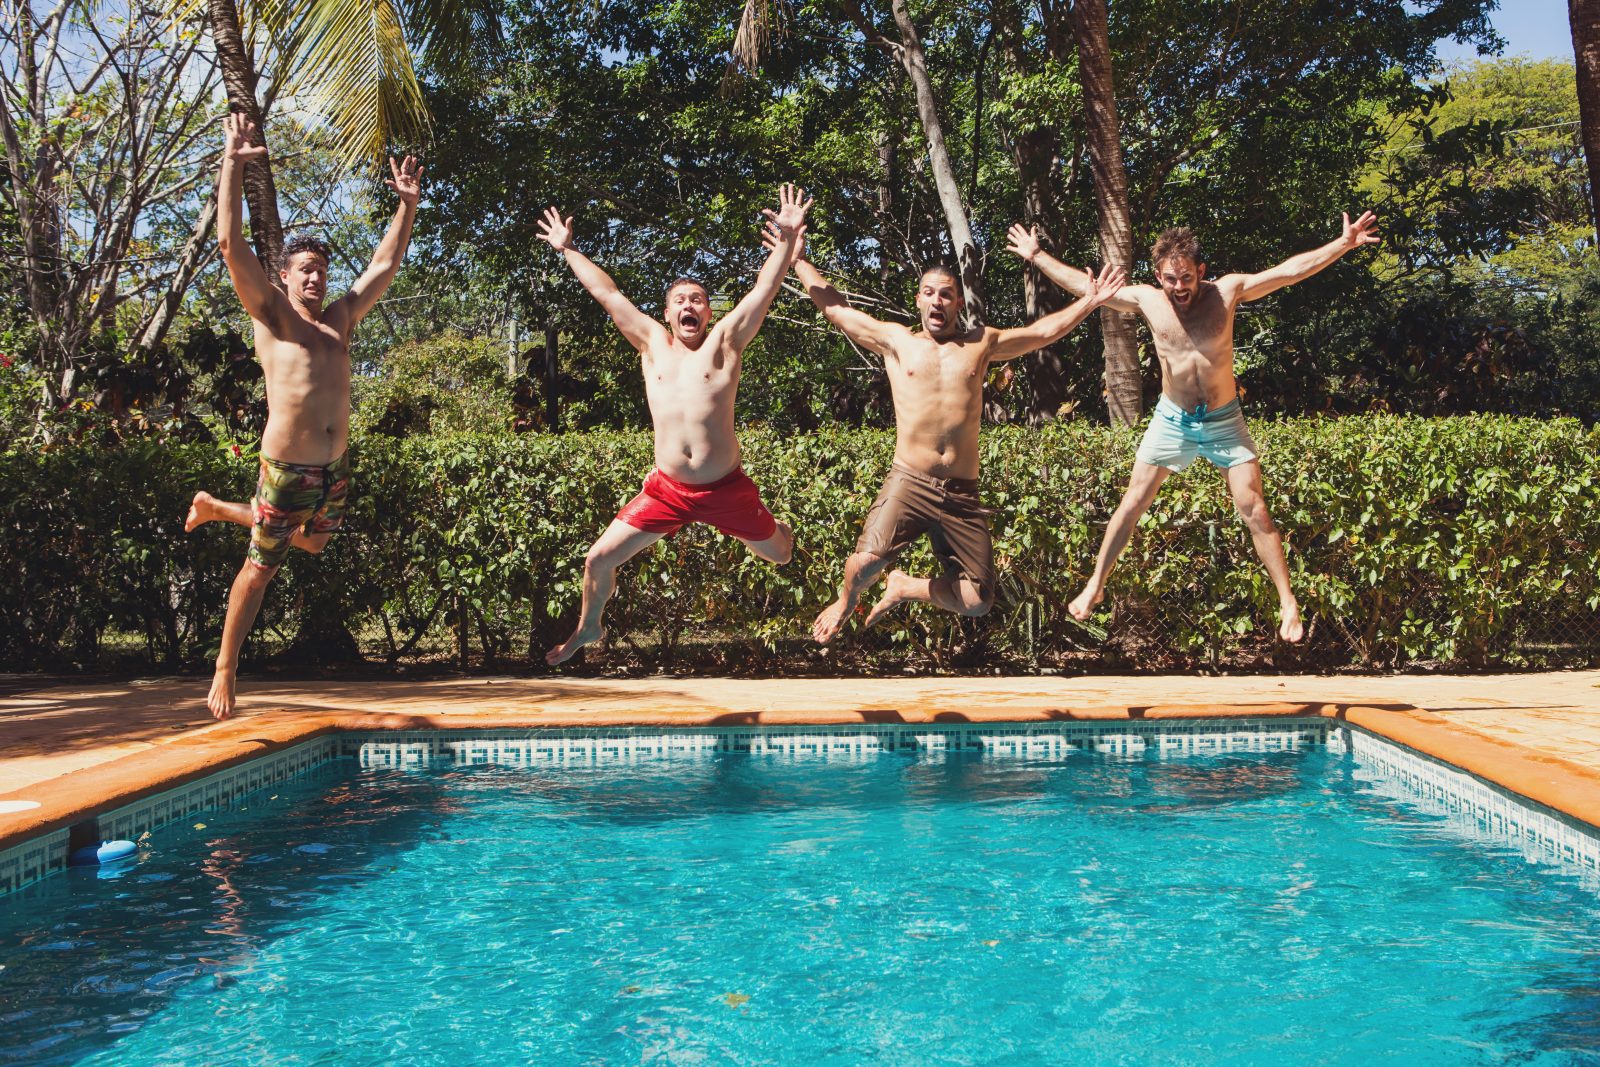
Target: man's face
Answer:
pixel 1180 277
pixel 939 301
pixel 306 278
pixel 689 313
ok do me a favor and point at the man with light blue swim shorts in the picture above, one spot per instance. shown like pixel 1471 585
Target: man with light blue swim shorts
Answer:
pixel 1191 322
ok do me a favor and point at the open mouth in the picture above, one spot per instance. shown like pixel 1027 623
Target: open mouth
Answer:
pixel 688 322
pixel 936 318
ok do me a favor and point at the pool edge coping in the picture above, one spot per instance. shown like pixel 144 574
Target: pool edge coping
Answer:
pixel 1557 784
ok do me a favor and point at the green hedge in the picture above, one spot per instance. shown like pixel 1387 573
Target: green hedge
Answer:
pixel 1468 541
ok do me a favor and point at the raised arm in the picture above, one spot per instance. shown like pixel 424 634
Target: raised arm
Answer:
pixel 640 329
pixel 1023 242
pixel 406 180
pixel 1295 268
pixel 860 327
pixel 740 324
pixel 1052 327
pixel 241 144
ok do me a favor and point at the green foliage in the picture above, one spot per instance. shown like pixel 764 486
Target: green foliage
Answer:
pixel 447 384
pixel 1461 542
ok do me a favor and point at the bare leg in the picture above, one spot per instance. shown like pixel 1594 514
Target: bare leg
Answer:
pixel 860 571
pixel 207 508
pixel 779 548
pixel 1141 493
pixel 1245 482
pixel 244 601
pixel 616 546
pixel 949 591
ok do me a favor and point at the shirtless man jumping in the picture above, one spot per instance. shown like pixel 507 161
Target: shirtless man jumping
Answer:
pixel 1191 321
pixel 936 378
pixel 691 378
pixel 304 350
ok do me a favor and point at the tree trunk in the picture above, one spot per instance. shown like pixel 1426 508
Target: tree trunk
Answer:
pixel 155 329
pixel 552 401
pixel 1123 382
pixel 1047 389
pixel 239 77
pixel 944 174
pixel 1585 19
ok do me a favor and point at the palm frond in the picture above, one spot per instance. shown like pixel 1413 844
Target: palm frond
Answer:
pixel 751 43
pixel 349 60
pixel 445 30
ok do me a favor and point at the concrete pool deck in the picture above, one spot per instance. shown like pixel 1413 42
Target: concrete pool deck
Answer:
pixel 81 749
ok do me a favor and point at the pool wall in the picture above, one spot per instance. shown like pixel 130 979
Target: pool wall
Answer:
pixel 1453 787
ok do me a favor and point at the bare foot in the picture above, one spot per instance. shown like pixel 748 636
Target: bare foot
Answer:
pixel 1290 628
pixel 202 509
pixel 894 594
pixel 221 701
pixel 829 622
pixel 1084 603
pixel 569 648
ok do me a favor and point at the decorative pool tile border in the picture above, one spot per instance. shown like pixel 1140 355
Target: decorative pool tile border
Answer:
pixel 44 856
pixel 1477 807
pixel 1480 808
pixel 597 746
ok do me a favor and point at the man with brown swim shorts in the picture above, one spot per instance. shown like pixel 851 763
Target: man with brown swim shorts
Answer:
pixel 936 378
pixel 304 350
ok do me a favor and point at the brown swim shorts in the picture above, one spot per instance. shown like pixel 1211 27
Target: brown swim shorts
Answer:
pixel 947 509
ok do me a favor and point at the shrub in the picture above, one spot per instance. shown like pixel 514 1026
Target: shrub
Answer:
pixel 1462 542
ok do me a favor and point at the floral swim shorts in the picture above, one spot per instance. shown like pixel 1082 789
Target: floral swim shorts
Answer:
pixel 295 496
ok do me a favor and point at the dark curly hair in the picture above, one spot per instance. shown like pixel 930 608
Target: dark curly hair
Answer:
pixel 1179 241
pixel 303 243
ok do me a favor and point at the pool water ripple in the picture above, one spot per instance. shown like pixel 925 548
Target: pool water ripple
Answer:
pixel 941 909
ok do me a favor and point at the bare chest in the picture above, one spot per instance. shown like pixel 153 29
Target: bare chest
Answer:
pixel 1208 329
pixel 305 351
pixel 932 368
pixel 689 375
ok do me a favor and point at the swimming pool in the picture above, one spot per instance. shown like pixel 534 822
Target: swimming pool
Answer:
pixel 1268 900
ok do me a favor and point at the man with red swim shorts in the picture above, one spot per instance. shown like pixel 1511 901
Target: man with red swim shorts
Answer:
pixel 691 378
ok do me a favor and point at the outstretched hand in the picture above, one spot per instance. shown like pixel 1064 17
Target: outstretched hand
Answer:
pixel 1362 231
pixel 772 236
pixel 406 180
pixel 1023 241
pixel 241 140
pixel 554 231
pixel 1104 286
pixel 792 207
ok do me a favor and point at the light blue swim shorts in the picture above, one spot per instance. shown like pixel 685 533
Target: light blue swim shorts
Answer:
pixel 1176 436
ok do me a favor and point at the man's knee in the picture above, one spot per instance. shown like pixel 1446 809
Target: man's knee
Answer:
pixel 599 559
pixel 976 600
pixel 315 544
pixel 257 575
pixel 781 550
pixel 1253 510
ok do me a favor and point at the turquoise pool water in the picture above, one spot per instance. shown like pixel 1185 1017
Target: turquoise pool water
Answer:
pixel 1259 909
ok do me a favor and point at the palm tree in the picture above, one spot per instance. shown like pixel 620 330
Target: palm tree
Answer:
pixel 349 59
pixel 1124 387
pixel 1585 18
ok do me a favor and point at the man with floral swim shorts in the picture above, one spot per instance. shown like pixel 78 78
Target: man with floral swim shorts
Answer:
pixel 304 350
pixel 691 377
pixel 1191 322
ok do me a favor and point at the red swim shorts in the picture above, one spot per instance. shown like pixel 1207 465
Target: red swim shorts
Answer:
pixel 732 504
